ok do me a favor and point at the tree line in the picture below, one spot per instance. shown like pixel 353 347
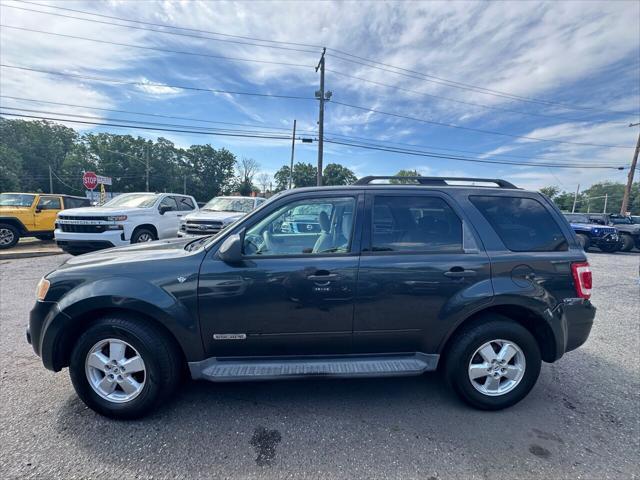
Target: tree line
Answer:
pixel 30 150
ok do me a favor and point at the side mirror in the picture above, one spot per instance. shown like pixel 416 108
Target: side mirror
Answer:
pixel 164 209
pixel 231 249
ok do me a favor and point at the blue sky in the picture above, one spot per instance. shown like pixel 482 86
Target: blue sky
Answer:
pixel 583 54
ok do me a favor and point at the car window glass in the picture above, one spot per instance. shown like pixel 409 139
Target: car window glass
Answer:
pixel 304 227
pixel 49 203
pixel 414 224
pixel 523 224
pixel 185 203
pixel 169 202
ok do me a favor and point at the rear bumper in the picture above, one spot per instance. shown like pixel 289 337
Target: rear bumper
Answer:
pixel 574 320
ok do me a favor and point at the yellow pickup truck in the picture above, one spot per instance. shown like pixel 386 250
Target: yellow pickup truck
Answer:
pixel 32 215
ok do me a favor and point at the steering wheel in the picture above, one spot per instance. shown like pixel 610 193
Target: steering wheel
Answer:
pixel 253 243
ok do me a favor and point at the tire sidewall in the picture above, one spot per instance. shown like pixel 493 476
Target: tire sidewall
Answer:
pixel 151 391
pixel 627 243
pixel 140 231
pixel 458 363
pixel 16 235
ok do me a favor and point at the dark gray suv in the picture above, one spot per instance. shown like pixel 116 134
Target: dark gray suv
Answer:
pixel 474 277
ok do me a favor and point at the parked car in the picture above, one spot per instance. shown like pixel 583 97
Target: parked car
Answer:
pixel 125 219
pixel 591 234
pixel 304 219
pixel 628 231
pixel 32 215
pixel 217 214
pixel 484 283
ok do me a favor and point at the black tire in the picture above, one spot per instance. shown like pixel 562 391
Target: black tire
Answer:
pixel 9 236
pixel 140 235
pixel 461 353
pixel 584 241
pixel 627 243
pixel 163 365
pixel 610 248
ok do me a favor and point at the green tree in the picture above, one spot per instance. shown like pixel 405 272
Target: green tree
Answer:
pixel 281 177
pixel 404 173
pixel 10 169
pixel 336 174
pixel 304 175
pixel 551 191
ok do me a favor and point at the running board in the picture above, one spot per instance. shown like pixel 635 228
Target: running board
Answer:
pixel 229 369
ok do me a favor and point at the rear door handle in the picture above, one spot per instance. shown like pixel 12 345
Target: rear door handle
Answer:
pixel 460 273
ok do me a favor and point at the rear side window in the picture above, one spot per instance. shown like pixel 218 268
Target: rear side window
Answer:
pixel 75 202
pixel 49 203
pixel 415 224
pixel 523 224
pixel 185 203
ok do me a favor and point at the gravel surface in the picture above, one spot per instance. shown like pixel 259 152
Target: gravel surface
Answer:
pixel 580 421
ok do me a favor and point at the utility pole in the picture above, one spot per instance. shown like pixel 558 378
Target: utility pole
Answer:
pixel 50 181
pixel 606 198
pixel 634 162
pixel 147 165
pixel 293 148
pixel 320 96
pixel 575 199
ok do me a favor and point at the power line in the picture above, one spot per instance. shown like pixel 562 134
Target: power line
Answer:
pixel 463 159
pixel 448 99
pixel 413 152
pixel 157 49
pixel 151 84
pixel 341 54
pixel 48 112
pixel 414 145
pixel 109 124
pixel 164 25
pixel 470 87
pixel 143 113
pixel 472 129
pixel 280 47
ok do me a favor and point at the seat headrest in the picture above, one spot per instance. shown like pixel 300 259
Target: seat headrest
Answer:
pixel 323 220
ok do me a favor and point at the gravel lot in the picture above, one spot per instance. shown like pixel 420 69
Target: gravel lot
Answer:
pixel 580 421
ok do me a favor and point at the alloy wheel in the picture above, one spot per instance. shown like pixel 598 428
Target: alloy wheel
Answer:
pixel 115 370
pixel 6 236
pixel 497 367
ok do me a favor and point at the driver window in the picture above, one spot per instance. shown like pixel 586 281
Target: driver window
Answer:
pixel 169 202
pixel 304 227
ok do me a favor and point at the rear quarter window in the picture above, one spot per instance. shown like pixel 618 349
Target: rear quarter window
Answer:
pixel 523 224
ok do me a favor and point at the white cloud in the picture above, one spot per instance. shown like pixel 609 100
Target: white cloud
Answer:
pixel 157 89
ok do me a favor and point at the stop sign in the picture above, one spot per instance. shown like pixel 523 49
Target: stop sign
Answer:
pixel 90 180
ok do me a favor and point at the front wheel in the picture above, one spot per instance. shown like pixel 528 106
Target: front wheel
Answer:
pixel 9 235
pixel 123 367
pixel 494 364
pixel 627 243
pixel 142 235
pixel 584 241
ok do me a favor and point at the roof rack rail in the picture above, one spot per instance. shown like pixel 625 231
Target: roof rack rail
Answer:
pixel 435 181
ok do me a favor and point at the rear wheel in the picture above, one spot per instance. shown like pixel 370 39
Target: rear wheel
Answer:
pixel 610 248
pixel 494 364
pixel 142 235
pixel 9 236
pixel 122 368
pixel 627 243
pixel 584 241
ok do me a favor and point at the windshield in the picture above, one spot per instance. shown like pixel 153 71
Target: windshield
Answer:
pixel 16 200
pixel 225 204
pixel 577 218
pixel 133 200
pixel 621 220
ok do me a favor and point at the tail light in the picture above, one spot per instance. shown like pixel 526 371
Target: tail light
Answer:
pixel 582 279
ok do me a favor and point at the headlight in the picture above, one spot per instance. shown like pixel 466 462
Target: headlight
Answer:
pixel 596 231
pixel 42 289
pixel 117 218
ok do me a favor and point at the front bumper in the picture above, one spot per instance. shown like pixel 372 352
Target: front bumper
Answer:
pixel 89 242
pixel 610 239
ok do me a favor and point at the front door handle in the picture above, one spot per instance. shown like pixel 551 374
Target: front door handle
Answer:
pixel 320 277
pixel 459 272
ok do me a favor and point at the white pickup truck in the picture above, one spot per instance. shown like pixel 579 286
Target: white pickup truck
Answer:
pixel 216 214
pixel 128 218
